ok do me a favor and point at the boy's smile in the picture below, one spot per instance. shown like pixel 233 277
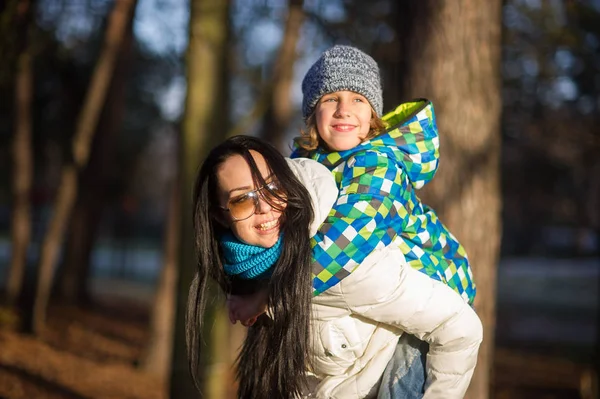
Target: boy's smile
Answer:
pixel 343 127
pixel 343 119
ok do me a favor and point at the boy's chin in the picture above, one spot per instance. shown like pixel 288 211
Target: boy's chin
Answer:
pixel 344 145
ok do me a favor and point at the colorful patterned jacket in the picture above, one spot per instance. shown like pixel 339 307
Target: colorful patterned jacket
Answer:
pixel 378 206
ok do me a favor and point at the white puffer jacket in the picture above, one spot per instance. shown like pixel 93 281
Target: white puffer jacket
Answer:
pixel 356 324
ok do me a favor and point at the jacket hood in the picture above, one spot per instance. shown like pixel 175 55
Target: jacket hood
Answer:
pixel 411 137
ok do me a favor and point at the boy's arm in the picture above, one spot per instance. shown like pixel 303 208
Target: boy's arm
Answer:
pixel 369 213
pixel 400 296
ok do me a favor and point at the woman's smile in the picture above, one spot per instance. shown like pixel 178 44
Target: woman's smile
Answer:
pixel 268 227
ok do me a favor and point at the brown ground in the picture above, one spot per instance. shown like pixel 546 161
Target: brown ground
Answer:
pixel 93 353
pixel 81 354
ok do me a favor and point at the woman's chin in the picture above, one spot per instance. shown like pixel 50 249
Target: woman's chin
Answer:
pixel 268 239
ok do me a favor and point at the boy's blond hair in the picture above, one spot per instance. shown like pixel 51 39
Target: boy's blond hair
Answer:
pixel 310 139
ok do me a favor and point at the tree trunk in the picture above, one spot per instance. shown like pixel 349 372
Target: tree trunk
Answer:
pixel 204 124
pixel 72 277
pixel 23 161
pixel 95 189
pixel 279 113
pixel 162 325
pixel 120 17
pixel 452 57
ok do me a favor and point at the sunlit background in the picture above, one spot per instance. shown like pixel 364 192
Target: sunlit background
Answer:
pixel 101 320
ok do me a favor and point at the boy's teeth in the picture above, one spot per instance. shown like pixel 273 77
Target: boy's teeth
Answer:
pixel 268 225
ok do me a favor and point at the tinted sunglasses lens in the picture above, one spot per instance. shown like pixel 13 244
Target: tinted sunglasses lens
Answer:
pixel 243 207
pixel 275 189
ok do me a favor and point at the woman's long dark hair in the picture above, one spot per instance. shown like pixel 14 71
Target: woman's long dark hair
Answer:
pixel 275 354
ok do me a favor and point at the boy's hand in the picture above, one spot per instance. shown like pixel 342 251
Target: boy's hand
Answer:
pixel 247 308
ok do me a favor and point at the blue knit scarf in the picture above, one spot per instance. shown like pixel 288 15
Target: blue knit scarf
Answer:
pixel 248 261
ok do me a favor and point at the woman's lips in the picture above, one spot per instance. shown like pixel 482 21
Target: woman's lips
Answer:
pixel 267 226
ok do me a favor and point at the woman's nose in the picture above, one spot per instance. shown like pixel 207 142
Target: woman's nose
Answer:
pixel 262 206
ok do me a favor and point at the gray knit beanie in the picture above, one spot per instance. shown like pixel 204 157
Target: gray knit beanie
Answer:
pixel 342 68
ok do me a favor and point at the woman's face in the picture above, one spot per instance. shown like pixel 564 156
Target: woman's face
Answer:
pixel 236 185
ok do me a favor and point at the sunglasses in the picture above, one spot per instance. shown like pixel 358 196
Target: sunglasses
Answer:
pixel 245 205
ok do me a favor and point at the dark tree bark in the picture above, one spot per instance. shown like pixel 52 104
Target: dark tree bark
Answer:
pixel 22 157
pixel 120 18
pixel 279 112
pixel 162 324
pixel 449 52
pixel 94 184
pixel 204 124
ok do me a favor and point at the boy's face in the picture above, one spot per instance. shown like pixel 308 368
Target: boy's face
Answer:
pixel 343 119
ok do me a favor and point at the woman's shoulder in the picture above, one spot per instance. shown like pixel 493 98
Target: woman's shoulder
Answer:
pixel 321 187
pixel 313 175
pixel 308 166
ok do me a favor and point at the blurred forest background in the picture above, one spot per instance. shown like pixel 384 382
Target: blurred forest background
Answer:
pixel 108 106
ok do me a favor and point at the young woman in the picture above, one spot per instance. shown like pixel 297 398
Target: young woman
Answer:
pixel 253 223
pixel 246 197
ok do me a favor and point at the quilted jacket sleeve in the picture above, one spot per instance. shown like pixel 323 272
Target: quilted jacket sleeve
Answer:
pixel 368 213
pixel 427 308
